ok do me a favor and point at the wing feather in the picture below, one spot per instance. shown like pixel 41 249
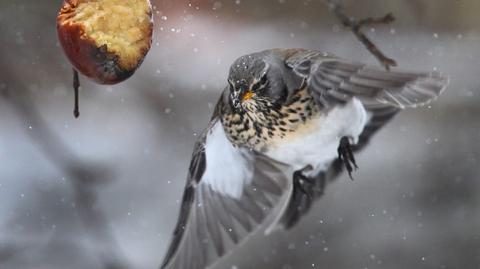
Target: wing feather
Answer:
pixel 213 219
pixel 334 80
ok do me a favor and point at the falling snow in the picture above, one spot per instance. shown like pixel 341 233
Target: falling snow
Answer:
pixel 133 141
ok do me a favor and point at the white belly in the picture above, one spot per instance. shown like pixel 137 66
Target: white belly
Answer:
pixel 316 142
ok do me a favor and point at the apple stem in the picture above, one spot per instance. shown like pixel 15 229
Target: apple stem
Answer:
pixel 76 86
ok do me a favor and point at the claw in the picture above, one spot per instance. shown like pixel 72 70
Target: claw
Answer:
pixel 345 154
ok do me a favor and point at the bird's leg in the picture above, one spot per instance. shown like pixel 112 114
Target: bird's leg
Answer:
pixel 345 155
pixel 300 180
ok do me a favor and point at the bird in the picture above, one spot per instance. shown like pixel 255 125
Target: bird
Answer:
pixel 288 122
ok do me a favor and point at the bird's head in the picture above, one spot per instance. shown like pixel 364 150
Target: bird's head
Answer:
pixel 250 81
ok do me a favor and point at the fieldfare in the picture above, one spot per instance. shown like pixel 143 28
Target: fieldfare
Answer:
pixel 288 122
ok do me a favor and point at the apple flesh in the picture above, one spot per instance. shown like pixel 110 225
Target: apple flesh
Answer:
pixel 105 40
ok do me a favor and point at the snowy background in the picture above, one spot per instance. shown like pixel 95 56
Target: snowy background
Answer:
pixel 103 191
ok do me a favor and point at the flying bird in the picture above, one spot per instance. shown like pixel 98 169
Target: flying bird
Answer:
pixel 289 121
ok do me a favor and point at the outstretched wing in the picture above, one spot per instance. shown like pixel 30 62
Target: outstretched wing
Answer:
pixel 333 81
pixel 229 193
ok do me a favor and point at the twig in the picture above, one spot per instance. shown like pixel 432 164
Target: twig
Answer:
pixel 76 86
pixel 356 27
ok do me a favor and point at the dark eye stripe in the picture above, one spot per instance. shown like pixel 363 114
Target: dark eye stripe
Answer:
pixel 263 83
pixel 263 80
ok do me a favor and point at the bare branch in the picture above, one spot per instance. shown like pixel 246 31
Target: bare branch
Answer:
pixel 356 27
pixel 387 19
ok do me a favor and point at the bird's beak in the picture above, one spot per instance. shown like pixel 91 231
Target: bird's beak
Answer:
pixel 240 96
pixel 247 95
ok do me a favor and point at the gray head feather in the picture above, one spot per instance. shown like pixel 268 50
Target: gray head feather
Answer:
pixel 247 69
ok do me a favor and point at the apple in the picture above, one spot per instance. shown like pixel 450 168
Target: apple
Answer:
pixel 105 40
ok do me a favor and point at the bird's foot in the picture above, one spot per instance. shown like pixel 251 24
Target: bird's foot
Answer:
pixel 345 155
pixel 303 183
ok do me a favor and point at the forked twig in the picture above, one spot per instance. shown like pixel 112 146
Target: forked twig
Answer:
pixel 356 27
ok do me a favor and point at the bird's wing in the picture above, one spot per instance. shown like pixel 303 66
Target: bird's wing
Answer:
pixel 333 81
pixel 229 193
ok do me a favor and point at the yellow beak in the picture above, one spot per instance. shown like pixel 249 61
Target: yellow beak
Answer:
pixel 247 96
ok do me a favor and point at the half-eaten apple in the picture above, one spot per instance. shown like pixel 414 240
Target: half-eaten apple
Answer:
pixel 105 40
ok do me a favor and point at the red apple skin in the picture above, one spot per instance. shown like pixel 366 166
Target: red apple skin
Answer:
pixel 86 57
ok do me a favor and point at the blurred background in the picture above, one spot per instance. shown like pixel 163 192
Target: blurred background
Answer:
pixel 103 191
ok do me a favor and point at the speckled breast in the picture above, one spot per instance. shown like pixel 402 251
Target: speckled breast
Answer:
pixel 264 124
